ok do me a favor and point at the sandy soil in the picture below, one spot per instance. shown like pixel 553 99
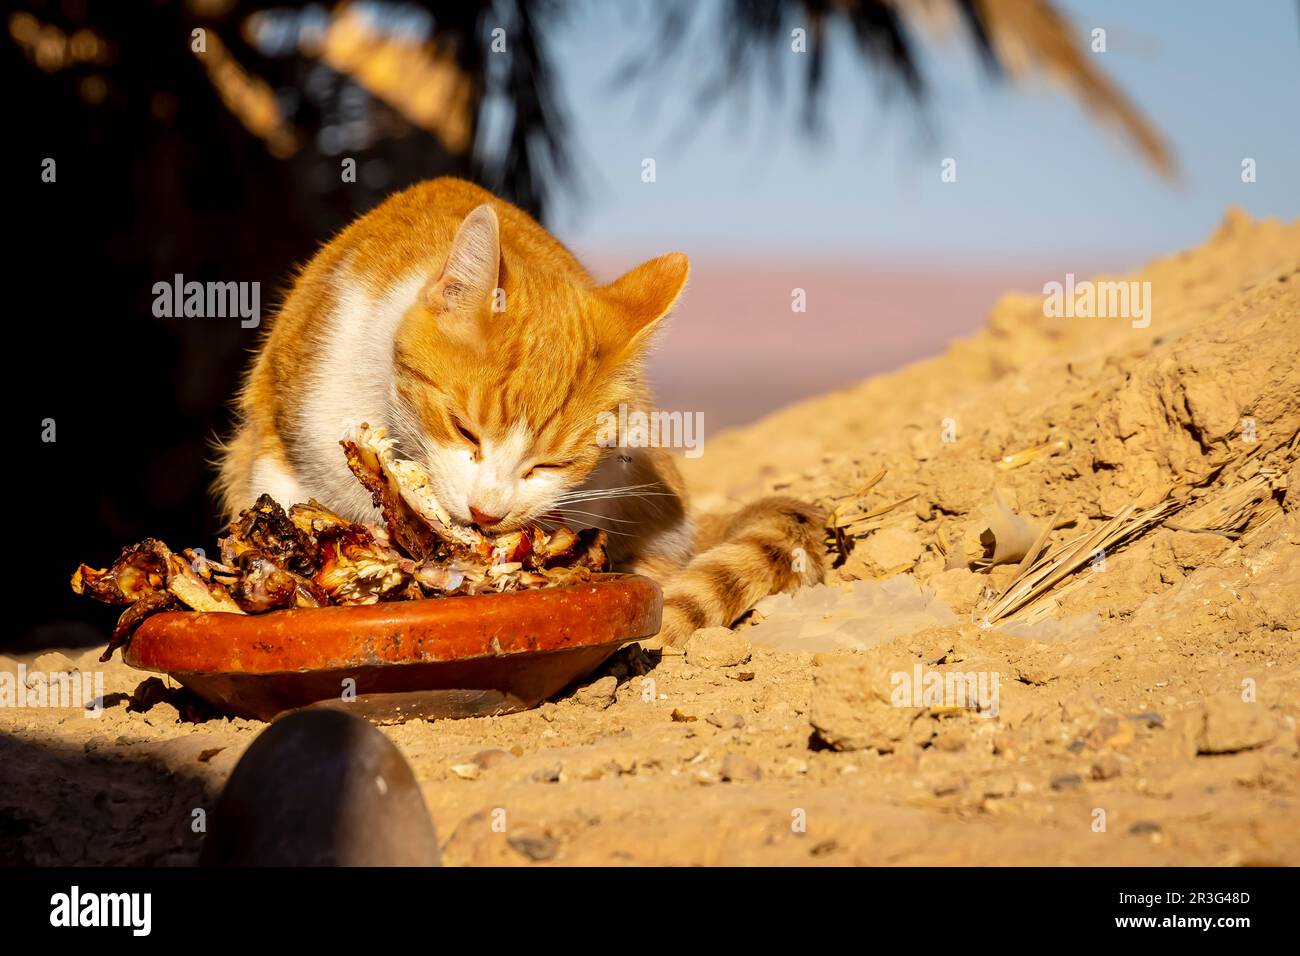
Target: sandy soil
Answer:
pixel 1148 717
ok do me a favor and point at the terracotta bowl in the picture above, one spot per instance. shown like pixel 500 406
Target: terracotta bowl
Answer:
pixel 443 657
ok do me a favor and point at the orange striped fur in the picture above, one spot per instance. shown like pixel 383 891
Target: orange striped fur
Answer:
pixel 456 321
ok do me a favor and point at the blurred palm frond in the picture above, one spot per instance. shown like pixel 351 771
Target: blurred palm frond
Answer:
pixel 1021 39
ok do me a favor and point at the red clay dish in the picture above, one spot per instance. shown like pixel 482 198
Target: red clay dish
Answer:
pixel 443 657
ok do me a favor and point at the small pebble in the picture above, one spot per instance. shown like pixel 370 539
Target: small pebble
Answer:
pixel 737 767
pixel 487 759
pixel 727 720
pixel 598 694
pixel 536 848
pixel 1106 768
pixel 1148 718
pixel 717 647
pixel 549 774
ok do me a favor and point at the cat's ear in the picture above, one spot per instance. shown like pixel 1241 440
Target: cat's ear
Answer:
pixel 469 279
pixel 646 294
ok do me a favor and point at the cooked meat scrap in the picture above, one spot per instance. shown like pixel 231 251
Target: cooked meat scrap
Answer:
pixel 146 569
pixel 406 527
pixel 512 548
pixel 267 529
pixel 407 489
pixel 440 578
pixel 196 593
pixel 264 584
pixel 312 557
pixel 372 457
pixel 357 568
pixel 313 519
pixel 150 578
pixel 582 549
pixel 139 571
pixel 559 543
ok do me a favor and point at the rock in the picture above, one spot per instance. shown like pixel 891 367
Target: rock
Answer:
pixel 851 707
pixel 54 663
pixel 1036 670
pixel 736 767
pixel 1106 768
pixel 893 547
pixel 1111 733
pixel 1193 549
pixel 1144 826
pixel 1067 781
pixel 717 647
pixel 949 741
pixel 549 774
pixel 321 788
pixel 598 694
pixel 466 771
pixel 959 588
pixel 727 720
pixel 623 763
pixel 487 759
pixel 537 847
pixel 149 692
pixel 1228 724
pixel 629 661
pixel 1148 719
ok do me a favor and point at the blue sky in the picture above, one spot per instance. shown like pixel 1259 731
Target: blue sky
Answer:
pixel 1035 175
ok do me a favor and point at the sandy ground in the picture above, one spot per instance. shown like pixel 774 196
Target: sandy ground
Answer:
pixel 1146 714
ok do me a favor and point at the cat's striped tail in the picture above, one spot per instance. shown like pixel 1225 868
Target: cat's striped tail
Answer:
pixel 770 546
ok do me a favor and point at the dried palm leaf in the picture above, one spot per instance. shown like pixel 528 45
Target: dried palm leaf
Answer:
pixel 1234 510
pixel 1030 36
pixel 1033 582
pixel 1020 458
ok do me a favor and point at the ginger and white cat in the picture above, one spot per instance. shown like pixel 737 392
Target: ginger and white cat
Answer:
pixel 454 320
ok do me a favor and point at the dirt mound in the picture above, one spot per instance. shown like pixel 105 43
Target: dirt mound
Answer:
pixel 1140 709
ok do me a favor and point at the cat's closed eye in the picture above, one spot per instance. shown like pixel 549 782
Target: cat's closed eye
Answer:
pixel 465 433
pixel 551 465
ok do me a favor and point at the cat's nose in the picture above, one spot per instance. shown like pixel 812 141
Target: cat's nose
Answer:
pixel 482 519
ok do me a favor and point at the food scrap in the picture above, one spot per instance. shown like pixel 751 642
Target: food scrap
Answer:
pixel 311 557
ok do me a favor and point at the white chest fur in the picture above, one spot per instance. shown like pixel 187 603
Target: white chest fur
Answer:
pixel 350 383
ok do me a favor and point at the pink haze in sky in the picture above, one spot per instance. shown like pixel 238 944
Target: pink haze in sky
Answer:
pixel 735 350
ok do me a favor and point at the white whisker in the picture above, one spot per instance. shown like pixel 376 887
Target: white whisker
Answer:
pixel 592 514
pixel 582 494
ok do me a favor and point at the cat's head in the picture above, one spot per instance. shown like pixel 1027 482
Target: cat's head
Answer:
pixel 504 366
